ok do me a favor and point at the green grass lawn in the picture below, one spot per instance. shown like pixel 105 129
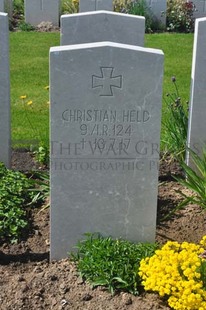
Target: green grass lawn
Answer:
pixel 177 49
pixel 29 64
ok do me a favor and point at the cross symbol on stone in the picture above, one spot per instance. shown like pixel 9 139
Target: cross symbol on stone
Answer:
pixel 106 81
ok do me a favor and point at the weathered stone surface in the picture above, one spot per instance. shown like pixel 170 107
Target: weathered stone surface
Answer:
pixel 158 8
pixel 6 6
pixel 95 5
pixel 37 11
pixel 105 133
pixel 1 5
pixel 4 91
pixel 197 113
pixel 102 26
pixel 200 8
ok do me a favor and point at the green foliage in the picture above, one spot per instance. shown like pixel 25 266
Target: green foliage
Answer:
pixel 195 180
pixel 111 263
pixel 18 7
pixel 14 195
pixel 23 26
pixel 42 155
pixel 202 269
pixel 120 5
pixel 41 186
pixel 70 6
pixel 180 16
pixel 17 191
pixel 17 14
pixel 140 7
pixel 175 124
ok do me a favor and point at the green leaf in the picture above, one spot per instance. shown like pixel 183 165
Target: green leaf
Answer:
pixel 111 262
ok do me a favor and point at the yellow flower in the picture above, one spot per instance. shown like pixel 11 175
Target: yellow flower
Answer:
pixel 29 102
pixel 46 87
pixel 23 97
pixel 175 271
pixel 203 241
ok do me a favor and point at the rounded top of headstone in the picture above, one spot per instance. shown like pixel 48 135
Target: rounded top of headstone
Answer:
pixel 3 14
pixel 105 44
pixel 101 12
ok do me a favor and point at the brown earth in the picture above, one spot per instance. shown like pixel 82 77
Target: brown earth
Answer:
pixel 29 281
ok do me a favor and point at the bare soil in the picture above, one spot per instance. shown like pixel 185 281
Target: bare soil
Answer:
pixel 29 281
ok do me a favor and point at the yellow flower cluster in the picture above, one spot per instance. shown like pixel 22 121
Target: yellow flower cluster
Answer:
pixel 176 272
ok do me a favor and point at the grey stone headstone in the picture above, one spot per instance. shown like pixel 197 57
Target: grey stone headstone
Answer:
pixel 1 5
pixel 37 11
pixel 158 9
pixel 102 26
pixel 200 8
pixel 6 6
pixel 5 148
pixel 197 113
pixel 95 5
pixel 105 132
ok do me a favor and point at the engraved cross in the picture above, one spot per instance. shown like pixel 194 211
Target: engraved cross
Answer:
pixel 106 81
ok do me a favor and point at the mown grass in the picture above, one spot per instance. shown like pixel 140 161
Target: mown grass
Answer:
pixel 177 49
pixel 29 64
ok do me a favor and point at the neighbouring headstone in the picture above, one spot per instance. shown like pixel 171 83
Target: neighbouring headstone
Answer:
pixel 158 9
pixel 105 132
pixel 1 5
pixel 6 6
pixel 99 26
pixel 5 138
pixel 200 8
pixel 197 113
pixel 95 5
pixel 37 11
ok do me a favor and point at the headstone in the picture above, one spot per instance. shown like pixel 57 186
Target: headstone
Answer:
pixel 158 9
pixel 37 11
pixel 105 133
pixel 4 91
pixel 2 6
pixel 9 7
pixel 200 8
pixel 197 113
pixel 95 5
pixel 6 6
pixel 100 26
